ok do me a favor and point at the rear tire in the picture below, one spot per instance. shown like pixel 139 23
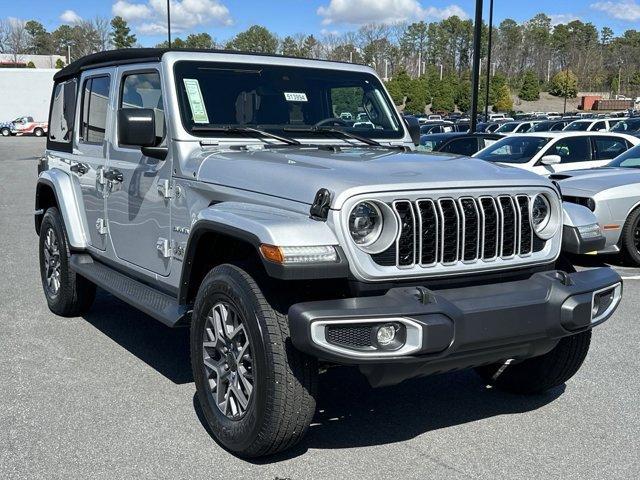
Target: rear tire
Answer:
pixel 38 132
pixel 67 293
pixel 630 239
pixel 5 132
pixel 538 374
pixel 275 410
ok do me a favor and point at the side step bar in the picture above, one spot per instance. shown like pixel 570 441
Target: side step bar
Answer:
pixel 158 305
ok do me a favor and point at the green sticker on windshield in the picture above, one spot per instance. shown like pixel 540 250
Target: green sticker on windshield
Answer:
pixel 196 102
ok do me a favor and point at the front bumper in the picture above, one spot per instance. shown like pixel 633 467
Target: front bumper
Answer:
pixel 461 327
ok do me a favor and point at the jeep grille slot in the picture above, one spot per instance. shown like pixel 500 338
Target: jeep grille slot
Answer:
pixel 446 231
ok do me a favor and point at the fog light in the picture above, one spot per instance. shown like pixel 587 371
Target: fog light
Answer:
pixel 590 231
pixel 386 334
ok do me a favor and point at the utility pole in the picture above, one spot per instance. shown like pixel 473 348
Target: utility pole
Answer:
pixel 169 22
pixel 440 72
pixel 548 69
pixel 386 70
pixel 486 98
pixel 477 38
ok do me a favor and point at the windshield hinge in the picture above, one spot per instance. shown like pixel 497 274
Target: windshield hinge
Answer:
pixel 321 205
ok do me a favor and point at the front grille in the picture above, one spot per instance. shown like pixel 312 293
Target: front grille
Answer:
pixel 446 231
pixel 353 336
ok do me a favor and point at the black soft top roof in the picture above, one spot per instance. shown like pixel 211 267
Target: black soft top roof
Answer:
pixel 136 55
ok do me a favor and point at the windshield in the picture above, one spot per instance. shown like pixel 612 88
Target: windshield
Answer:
pixel 507 127
pixel 431 143
pixel 282 100
pixel 542 126
pixel 629 125
pixel 577 127
pixel 513 149
pixel 628 159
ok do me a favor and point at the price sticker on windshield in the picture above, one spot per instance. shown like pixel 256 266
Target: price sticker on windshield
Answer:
pixel 295 97
pixel 196 102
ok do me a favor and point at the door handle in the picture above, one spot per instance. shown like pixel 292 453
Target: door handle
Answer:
pixel 114 175
pixel 79 168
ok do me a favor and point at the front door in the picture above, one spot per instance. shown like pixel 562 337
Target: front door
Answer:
pixel 137 207
pixel 89 155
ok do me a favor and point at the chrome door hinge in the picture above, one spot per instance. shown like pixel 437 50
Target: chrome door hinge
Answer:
pixel 164 247
pixel 100 176
pixel 101 226
pixel 167 189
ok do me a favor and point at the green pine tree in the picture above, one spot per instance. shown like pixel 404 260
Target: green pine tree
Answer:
pixel 121 35
pixel 530 89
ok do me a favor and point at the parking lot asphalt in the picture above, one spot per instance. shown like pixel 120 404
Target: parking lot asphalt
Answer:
pixel 110 395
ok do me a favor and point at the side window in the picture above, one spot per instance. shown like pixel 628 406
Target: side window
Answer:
pixel 62 115
pixel 571 150
pixel 143 90
pixel 609 147
pixel 599 126
pixel 95 103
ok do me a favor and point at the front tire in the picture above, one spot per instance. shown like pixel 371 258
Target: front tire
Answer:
pixel 539 374
pixel 67 293
pixel 630 239
pixel 257 392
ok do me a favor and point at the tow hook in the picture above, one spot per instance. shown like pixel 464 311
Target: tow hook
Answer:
pixel 563 277
pixel 425 296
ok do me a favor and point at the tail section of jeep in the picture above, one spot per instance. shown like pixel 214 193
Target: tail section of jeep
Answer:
pixel 232 194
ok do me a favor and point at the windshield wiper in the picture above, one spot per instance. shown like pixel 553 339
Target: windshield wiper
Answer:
pixel 254 131
pixel 352 136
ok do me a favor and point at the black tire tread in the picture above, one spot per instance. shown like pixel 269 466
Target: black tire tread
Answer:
pixel 291 404
pixel 629 251
pixel 76 294
pixel 539 374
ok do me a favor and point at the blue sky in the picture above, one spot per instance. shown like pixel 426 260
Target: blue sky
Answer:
pixel 223 18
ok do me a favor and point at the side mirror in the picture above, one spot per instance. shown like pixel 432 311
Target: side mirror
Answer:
pixel 413 125
pixel 137 127
pixel 551 160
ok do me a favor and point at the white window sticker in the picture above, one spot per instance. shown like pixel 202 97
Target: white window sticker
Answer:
pixel 196 102
pixel 295 97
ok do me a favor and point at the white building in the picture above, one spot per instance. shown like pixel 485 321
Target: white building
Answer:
pixel 40 61
pixel 25 91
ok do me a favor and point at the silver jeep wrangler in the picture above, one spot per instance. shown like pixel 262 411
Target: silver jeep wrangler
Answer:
pixel 231 193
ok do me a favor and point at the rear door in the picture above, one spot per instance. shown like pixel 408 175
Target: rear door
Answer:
pixel 90 152
pixel 138 205
pixel 607 148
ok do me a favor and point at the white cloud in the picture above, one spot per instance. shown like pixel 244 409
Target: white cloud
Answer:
pixel 150 17
pixel 557 19
pixel 628 10
pixel 359 12
pixel 69 16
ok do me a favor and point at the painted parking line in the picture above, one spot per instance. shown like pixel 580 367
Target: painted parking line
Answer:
pixel 633 277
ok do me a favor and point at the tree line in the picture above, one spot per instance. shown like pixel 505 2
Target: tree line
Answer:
pixel 526 57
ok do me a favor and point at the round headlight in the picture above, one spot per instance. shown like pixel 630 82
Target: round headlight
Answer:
pixel 540 213
pixel 365 223
pixel 546 216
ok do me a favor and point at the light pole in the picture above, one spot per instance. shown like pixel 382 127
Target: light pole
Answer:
pixel 486 98
pixel 477 38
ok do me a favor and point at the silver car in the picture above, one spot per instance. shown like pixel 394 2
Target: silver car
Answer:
pixel 613 194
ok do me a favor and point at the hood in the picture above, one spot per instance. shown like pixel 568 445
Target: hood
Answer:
pixel 596 180
pixel 298 173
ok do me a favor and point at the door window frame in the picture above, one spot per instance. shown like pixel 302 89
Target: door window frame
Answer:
pixel 121 74
pixel 93 76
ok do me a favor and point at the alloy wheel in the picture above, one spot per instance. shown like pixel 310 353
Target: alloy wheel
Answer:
pixel 228 363
pixel 52 262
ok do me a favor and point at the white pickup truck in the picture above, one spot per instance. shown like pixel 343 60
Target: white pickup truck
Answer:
pixel 24 126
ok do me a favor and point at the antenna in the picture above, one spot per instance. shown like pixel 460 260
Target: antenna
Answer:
pixel 169 22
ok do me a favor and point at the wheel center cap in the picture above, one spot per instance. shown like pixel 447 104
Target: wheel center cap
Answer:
pixel 231 361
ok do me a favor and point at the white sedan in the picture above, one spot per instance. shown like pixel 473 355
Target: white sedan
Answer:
pixel 551 152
